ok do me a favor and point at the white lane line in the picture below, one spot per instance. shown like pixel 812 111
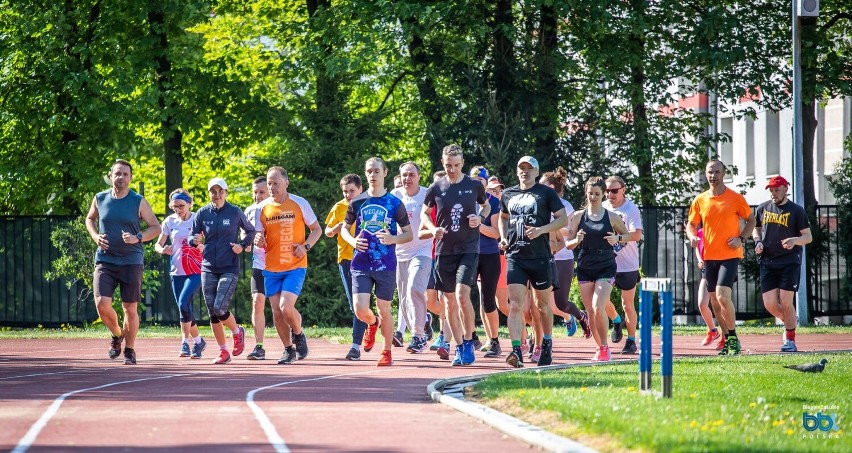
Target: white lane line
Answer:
pixel 31 435
pixel 49 374
pixel 271 433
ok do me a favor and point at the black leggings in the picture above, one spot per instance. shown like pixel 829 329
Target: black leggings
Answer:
pixel 565 273
pixel 488 271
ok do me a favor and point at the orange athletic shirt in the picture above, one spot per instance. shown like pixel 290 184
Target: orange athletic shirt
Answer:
pixel 720 216
pixel 284 225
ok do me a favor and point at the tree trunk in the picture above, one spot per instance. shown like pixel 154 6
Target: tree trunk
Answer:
pixel 503 55
pixel 636 92
pixel 546 113
pixel 429 101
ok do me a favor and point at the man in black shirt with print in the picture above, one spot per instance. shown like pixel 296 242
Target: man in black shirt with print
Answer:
pixel 782 229
pixel 525 221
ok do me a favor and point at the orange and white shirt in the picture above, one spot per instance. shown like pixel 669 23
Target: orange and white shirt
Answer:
pixel 720 217
pixel 284 226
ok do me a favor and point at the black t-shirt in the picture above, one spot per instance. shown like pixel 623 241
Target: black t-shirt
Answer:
pixel 453 203
pixel 531 207
pixel 778 223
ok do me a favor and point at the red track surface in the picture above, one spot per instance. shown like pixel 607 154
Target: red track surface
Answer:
pixel 323 403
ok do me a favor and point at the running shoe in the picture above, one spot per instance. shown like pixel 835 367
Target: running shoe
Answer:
pixel 721 344
pixel 370 336
pixel 289 356
pixel 468 352
pixel 184 349
pixel 536 354
pixel 224 357
pixel 257 354
pixel 397 339
pixel 617 332
pixel 629 347
pixel 515 359
pixel 197 349
pixel 428 328
pixel 546 356
pixel 711 337
pixel 239 340
pixel 457 359
pixel 789 346
pixel 570 326
pixel 604 355
pixel 129 356
pixel 354 354
pixel 301 343
pixel 493 349
pixel 444 351
pixel 438 343
pixel 416 345
pixel 526 345
pixel 584 324
pixel 476 342
pixel 115 346
pixel 485 347
pixel 732 344
pixel 385 359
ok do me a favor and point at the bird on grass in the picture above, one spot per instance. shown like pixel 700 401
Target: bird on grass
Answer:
pixel 809 367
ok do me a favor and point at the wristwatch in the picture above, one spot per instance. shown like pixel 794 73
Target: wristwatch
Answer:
pixel 742 240
pixel 307 246
pixel 139 236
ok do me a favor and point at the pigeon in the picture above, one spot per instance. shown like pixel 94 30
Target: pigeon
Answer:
pixel 809 367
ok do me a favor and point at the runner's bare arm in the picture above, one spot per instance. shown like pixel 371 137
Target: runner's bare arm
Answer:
pixel 573 239
pixel 147 214
pixel 92 226
pixel 692 234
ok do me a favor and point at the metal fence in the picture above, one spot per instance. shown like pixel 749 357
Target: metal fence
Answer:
pixel 29 299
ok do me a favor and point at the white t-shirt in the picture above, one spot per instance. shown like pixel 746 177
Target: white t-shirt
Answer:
pixel 563 253
pixel 185 260
pixel 413 206
pixel 258 254
pixel 627 255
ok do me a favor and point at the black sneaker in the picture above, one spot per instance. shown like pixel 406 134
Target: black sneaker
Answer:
pixel 257 354
pixel 515 359
pixel 476 342
pixel 301 343
pixel 629 347
pixel 397 339
pixel 129 356
pixel 354 354
pixel 617 333
pixel 428 328
pixel 115 346
pixel 546 357
pixel 288 357
pixel 493 349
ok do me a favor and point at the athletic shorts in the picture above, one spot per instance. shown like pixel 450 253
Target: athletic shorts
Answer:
pixel 501 283
pixel 720 273
pixel 537 272
pixel 109 276
pixel 431 283
pixel 257 285
pixel 290 281
pixel 452 270
pixel 384 282
pixel 590 275
pixel 626 281
pixel 784 277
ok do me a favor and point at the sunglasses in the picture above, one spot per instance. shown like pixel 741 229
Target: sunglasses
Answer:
pixel 613 191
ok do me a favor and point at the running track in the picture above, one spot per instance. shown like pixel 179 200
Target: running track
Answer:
pixel 64 395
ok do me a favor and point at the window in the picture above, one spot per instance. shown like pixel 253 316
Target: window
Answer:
pixel 773 145
pixel 833 137
pixel 749 146
pixel 726 147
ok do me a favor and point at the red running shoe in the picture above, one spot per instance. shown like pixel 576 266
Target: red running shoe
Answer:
pixel 223 358
pixel 385 359
pixel 239 341
pixel 721 344
pixel 711 336
pixel 370 337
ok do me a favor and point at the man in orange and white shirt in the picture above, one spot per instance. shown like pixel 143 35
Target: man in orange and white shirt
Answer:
pixel 282 219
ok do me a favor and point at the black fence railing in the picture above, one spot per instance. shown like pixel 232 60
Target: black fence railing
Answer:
pixel 29 299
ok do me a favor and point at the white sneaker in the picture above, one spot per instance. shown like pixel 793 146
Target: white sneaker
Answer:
pixel 789 346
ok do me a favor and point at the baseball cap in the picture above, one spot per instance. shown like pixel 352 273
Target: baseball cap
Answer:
pixel 777 181
pixel 494 182
pixel 530 160
pixel 217 182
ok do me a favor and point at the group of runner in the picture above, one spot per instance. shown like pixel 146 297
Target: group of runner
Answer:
pixel 432 245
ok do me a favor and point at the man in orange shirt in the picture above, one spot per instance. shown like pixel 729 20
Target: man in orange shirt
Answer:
pixel 719 210
pixel 283 218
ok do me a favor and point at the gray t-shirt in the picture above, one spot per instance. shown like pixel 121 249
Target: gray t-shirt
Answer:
pixel 453 203
pixel 116 216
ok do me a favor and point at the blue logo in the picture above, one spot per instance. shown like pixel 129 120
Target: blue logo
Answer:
pixel 374 218
pixel 820 421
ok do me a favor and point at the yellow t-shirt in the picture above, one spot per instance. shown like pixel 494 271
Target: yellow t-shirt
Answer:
pixel 284 225
pixel 720 217
pixel 335 216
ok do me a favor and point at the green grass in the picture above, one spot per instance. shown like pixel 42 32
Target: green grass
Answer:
pixel 746 403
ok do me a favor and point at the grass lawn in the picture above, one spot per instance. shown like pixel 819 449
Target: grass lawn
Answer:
pixel 745 403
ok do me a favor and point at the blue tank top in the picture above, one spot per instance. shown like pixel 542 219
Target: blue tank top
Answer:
pixel 595 251
pixel 116 215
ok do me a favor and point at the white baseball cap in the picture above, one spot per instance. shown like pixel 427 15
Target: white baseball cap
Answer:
pixel 217 182
pixel 530 160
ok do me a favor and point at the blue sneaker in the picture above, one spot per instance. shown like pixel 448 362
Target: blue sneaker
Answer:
pixel 197 349
pixel 468 352
pixel 457 360
pixel 571 326
pixel 184 349
pixel 438 343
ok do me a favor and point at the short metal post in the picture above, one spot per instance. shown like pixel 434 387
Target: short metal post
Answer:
pixel 666 340
pixel 645 302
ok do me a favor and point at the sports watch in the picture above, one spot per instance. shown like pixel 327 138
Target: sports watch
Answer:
pixel 139 236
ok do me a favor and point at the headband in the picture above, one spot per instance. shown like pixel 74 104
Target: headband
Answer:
pixel 182 196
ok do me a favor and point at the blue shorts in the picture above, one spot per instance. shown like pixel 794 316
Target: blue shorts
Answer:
pixel 290 281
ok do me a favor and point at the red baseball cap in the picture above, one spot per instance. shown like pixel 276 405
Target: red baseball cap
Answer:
pixel 777 181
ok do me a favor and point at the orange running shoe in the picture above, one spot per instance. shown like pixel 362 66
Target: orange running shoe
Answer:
pixel 711 337
pixel 721 344
pixel 370 337
pixel 385 359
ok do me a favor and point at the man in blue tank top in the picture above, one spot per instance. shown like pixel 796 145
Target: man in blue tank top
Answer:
pixel 113 223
